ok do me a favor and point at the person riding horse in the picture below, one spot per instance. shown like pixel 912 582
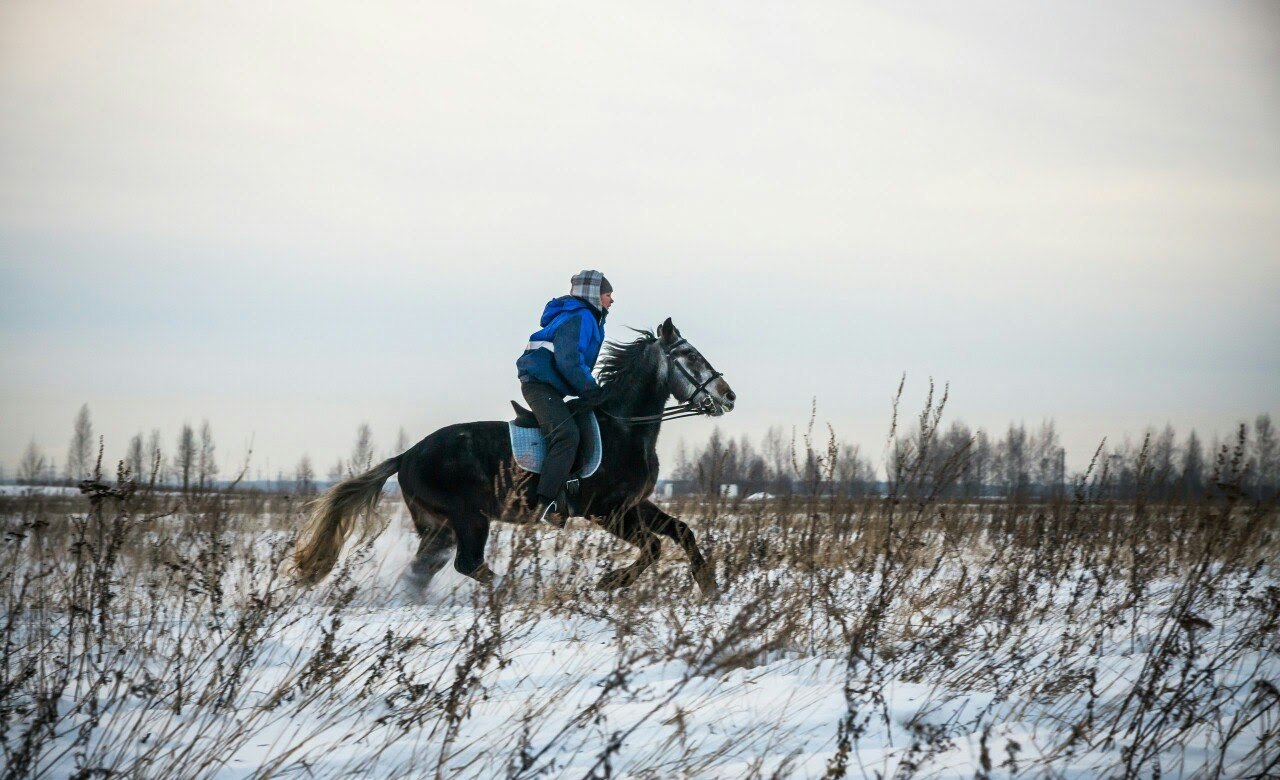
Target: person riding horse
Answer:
pixel 557 362
pixel 460 479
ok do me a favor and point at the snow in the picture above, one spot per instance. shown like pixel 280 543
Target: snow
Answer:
pixel 581 689
pixel 41 490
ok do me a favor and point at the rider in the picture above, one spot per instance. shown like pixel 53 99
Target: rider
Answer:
pixel 557 362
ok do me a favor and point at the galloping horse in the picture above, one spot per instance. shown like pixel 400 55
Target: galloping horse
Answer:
pixel 460 478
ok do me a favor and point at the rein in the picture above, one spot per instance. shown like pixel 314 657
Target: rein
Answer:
pixel 669 413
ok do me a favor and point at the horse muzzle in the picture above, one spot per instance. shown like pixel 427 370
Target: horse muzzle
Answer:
pixel 722 400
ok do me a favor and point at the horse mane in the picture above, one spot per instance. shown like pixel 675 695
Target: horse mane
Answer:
pixel 619 360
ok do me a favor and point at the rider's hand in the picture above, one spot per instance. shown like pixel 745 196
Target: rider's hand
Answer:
pixel 592 398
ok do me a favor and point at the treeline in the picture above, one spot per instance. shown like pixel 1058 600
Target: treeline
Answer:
pixel 188 463
pixel 969 463
pixel 191 464
pixel 964 462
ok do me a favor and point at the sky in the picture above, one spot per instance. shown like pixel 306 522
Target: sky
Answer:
pixel 290 218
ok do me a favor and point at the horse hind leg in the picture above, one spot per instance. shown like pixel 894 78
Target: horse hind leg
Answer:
pixel 630 528
pixel 435 547
pixel 659 522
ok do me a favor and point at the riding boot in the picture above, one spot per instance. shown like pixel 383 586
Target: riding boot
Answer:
pixel 565 503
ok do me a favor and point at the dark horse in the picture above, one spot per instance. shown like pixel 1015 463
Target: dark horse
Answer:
pixel 460 478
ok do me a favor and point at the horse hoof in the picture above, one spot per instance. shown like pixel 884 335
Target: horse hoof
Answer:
pixel 483 575
pixel 707 584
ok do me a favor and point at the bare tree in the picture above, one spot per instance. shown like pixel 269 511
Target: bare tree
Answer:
pixel 1048 459
pixel 950 463
pixel 185 456
pixel 336 471
pixel 305 477
pixel 755 469
pixel 1124 463
pixel 362 452
pixel 682 468
pixel 1266 456
pixel 402 441
pixel 709 463
pixel 80 458
pixel 155 458
pixel 1193 466
pixel 1163 468
pixel 1012 460
pixel 206 464
pixel 855 473
pixel 979 466
pixel 32 467
pixel 731 464
pixel 776 452
pixel 134 459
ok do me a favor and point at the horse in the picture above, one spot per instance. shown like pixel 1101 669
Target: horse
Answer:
pixel 462 477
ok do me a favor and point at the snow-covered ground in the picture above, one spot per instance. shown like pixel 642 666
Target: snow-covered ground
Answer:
pixel 543 676
pixel 42 490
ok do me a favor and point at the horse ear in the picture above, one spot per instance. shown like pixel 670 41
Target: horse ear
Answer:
pixel 667 331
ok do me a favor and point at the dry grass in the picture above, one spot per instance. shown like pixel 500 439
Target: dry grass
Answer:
pixel 143 636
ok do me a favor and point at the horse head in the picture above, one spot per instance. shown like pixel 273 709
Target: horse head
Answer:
pixel 690 378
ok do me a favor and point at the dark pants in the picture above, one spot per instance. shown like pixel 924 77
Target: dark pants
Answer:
pixel 560 431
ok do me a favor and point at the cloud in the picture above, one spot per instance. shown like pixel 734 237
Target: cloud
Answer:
pixel 245 193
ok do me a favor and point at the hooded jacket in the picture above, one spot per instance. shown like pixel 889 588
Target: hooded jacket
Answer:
pixel 564 351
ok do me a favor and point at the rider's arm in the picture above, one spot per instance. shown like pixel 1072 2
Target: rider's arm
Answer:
pixel 571 344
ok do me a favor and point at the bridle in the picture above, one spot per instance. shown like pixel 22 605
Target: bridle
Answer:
pixel 707 405
pixel 688 406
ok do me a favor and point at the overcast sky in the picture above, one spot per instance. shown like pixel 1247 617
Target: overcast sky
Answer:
pixel 291 217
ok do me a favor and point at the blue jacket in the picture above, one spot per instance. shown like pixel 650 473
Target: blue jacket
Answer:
pixel 564 351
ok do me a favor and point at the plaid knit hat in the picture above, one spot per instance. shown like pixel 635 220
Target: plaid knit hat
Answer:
pixel 590 285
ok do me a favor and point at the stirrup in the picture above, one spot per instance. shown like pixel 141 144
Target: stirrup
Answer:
pixel 552 516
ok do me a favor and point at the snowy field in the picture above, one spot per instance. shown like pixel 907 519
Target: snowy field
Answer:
pixel 1079 639
pixel 43 490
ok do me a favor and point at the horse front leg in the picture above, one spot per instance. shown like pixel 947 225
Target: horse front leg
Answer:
pixel 630 527
pixel 659 522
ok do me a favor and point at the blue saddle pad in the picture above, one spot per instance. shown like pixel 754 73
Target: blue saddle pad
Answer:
pixel 529 448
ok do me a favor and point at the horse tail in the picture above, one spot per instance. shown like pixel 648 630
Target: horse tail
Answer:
pixel 333 516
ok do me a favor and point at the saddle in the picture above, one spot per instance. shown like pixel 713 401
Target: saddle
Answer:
pixel 529 449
